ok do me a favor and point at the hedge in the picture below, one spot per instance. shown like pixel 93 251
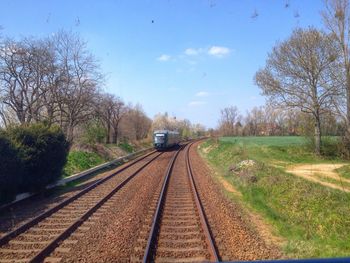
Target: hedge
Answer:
pixel 10 169
pixel 40 154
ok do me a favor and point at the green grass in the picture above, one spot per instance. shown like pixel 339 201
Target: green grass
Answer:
pixel 126 147
pixel 333 181
pixel 267 141
pixel 79 161
pixel 286 150
pixel 344 171
pixel 312 218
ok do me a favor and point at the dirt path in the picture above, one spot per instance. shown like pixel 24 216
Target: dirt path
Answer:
pixel 312 172
pixel 228 187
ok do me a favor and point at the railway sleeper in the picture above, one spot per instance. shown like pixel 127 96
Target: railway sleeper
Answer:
pixel 180 229
pixel 181 220
pixel 180 204
pixel 61 217
pixel 45 230
pixel 34 237
pixel 26 246
pixel 182 260
pixel 23 260
pixel 181 235
pixel 181 252
pixel 180 214
pixel 179 223
pixel 54 225
pixel 52 260
pixel 178 210
pixel 21 242
pixel 18 253
pixel 62 250
pixel 180 241
pixel 190 243
pixel 77 235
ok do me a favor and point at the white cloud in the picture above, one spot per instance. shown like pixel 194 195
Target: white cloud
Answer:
pixel 193 51
pixel 218 51
pixel 202 94
pixel 196 103
pixel 164 57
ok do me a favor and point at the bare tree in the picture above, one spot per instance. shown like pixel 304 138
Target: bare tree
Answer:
pixel 54 78
pixel 255 121
pixel 58 80
pixel 104 108
pixel 298 75
pixel 185 128
pixel 228 120
pixel 163 121
pixel 198 129
pixel 336 18
pixel 140 122
pixel 80 79
pixel 118 112
pixel 23 70
pixel 135 125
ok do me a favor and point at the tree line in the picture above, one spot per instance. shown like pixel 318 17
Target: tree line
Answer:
pixel 186 129
pixel 270 121
pixel 309 73
pixel 57 80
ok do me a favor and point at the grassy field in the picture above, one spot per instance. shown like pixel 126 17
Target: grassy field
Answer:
pixel 268 141
pixel 344 171
pixel 79 161
pixel 126 147
pixel 314 219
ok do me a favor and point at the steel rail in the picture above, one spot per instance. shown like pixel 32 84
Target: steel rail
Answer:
pixel 157 214
pixel 308 260
pixel 204 222
pixel 21 229
pixel 77 176
pixel 41 255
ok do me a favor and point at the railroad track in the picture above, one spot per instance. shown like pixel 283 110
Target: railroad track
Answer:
pixel 178 229
pixel 48 233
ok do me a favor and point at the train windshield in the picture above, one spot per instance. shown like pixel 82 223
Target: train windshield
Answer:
pixel 159 138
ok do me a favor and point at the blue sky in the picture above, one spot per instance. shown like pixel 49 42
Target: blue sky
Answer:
pixel 187 58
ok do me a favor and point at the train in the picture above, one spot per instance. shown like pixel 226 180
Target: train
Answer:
pixel 164 139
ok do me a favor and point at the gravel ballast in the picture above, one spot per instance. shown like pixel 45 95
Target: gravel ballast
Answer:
pixel 111 238
pixel 112 233
pixel 25 210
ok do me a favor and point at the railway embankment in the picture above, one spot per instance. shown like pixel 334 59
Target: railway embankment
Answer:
pixel 50 234
pixel 29 205
pixel 303 217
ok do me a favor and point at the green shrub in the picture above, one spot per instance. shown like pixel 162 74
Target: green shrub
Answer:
pixel 93 133
pixel 10 169
pixel 330 146
pixel 126 147
pixel 345 146
pixel 79 161
pixel 43 152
